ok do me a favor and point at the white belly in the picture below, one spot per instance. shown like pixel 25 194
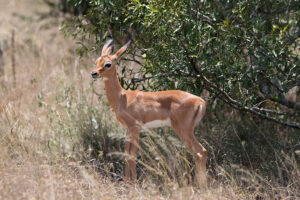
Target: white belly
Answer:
pixel 158 123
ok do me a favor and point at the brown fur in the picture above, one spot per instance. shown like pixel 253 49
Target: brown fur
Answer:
pixel 135 108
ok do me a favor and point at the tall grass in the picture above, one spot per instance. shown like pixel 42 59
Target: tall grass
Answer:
pixel 60 140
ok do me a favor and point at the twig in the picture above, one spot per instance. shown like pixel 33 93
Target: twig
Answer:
pixel 269 111
pixel 136 80
pixel 134 60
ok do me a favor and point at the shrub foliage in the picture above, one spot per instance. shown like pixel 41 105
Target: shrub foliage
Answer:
pixel 245 53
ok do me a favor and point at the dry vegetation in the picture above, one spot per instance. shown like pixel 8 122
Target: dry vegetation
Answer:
pixel 57 136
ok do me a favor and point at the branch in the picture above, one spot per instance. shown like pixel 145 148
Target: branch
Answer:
pixel 134 60
pixel 283 100
pixel 237 105
pixel 274 112
pixel 269 111
pixel 291 84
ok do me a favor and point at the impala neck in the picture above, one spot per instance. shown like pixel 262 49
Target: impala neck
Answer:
pixel 113 90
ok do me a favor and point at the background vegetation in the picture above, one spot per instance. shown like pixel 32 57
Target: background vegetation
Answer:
pixel 246 53
pixel 60 138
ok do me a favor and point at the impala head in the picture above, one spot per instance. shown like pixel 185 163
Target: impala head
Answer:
pixel 106 63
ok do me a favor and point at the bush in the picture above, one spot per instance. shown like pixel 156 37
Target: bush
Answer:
pixel 243 52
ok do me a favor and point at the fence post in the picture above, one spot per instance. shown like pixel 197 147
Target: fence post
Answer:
pixel 1 61
pixel 13 61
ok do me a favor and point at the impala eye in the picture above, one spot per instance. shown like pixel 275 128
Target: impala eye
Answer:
pixel 108 65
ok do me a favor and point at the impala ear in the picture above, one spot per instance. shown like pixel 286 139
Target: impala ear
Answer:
pixel 108 47
pixel 121 51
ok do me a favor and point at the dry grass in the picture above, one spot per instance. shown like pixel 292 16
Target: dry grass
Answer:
pixel 51 122
pixel 36 161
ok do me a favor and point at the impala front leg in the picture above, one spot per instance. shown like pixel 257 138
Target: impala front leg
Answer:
pixel 133 154
pixel 131 149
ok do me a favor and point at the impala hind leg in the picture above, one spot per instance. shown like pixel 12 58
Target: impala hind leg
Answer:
pixel 200 154
pixel 127 153
pixel 200 160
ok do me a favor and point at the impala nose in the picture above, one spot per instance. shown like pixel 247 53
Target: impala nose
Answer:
pixel 94 75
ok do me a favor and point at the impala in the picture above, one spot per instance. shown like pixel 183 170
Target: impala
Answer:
pixel 136 109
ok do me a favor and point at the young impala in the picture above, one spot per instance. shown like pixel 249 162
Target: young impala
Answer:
pixel 136 109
